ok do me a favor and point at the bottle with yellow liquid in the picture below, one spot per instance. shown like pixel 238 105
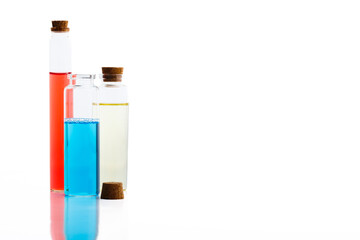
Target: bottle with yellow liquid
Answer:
pixel 114 114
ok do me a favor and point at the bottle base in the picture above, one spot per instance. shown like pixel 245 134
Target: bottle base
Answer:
pixel 72 195
pixel 57 191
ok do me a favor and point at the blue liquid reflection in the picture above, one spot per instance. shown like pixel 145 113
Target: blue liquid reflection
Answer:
pixel 74 218
pixel 81 218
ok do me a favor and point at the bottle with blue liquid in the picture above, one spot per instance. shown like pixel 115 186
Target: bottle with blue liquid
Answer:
pixel 81 136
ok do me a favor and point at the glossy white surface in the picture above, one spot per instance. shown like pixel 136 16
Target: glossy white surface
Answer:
pixel 244 117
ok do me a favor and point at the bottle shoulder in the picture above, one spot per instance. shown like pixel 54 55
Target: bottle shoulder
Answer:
pixel 113 93
pixel 93 87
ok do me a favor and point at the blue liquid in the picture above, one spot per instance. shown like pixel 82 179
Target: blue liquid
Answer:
pixel 81 218
pixel 81 157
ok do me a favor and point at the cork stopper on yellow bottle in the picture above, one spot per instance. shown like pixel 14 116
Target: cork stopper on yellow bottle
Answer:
pixel 112 74
pixel 60 26
pixel 112 190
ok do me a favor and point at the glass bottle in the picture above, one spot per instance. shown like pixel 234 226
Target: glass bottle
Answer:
pixel 114 111
pixel 81 133
pixel 60 66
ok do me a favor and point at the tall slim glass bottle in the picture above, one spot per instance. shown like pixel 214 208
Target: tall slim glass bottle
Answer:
pixel 60 66
pixel 114 111
pixel 81 133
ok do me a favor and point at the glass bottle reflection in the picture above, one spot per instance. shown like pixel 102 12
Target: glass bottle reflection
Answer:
pixel 73 218
pixel 57 215
pixel 81 218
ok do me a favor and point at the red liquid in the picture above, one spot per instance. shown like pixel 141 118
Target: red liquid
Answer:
pixel 58 81
pixel 57 216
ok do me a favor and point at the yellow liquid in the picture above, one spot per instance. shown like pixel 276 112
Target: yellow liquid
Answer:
pixel 113 142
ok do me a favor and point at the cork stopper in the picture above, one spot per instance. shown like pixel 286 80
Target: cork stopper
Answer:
pixel 112 190
pixel 60 26
pixel 112 74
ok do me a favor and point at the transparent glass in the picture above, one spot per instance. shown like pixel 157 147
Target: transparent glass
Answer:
pixel 114 114
pixel 60 67
pixel 81 136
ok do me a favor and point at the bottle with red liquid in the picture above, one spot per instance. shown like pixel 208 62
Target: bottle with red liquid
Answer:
pixel 60 67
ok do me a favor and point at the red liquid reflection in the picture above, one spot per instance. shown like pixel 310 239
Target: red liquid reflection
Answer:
pixel 57 215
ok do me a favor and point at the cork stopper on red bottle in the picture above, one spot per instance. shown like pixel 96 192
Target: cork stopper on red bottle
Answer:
pixel 60 26
pixel 112 74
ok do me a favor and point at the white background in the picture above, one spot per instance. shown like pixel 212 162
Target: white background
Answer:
pixel 244 116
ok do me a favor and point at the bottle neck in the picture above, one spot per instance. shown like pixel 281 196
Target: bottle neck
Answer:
pixel 111 77
pixel 111 84
pixel 60 52
pixel 81 79
pixel 82 82
pixel 60 34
